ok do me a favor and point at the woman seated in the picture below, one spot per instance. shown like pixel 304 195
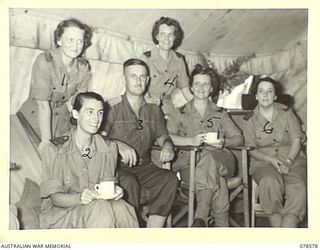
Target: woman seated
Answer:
pixel 191 125
pixel 277 164
pixel 72 165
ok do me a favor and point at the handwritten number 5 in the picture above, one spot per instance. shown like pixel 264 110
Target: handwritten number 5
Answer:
pixel 209 123
pixel 140 125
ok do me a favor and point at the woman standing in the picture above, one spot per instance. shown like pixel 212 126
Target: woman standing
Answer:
pixel 277 164
pixel 191 125
pixel 167 67
pixel 57 76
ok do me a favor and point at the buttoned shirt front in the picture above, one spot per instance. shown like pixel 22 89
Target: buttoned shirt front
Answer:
pixel 165 75
pixel 140 132
pixel 52 82
pixel 273 138
pixel 188 122
pixel 65 170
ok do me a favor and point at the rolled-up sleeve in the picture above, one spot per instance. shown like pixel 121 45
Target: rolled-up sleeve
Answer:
pixel 294 126
pixel 248 132
pixel 229 127
pixel 183 79
pixel 161 128
pixel 41 80
pixel 51 183
pixel 174 123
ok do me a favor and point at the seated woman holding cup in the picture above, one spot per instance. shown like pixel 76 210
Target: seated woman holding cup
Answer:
pixel 78 187
pixel 201 122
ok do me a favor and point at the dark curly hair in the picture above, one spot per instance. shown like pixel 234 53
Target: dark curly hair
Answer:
pixel 73 23
pixel 276 85
pixel 178 32
pixel 214 77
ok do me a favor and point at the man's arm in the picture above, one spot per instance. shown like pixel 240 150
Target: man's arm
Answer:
pixel 167 152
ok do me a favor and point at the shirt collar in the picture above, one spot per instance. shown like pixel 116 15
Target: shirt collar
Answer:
pixel 278 108
pixel 211 108
pixel 70 146
pixel 56 53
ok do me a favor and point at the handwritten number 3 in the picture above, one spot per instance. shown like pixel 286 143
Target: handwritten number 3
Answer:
pixel 140 125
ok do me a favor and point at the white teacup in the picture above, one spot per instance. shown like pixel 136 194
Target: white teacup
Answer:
pixel 105 189
pixel 211 137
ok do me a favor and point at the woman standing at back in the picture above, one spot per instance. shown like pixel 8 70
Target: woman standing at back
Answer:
pixel 167 67
pixel 57 76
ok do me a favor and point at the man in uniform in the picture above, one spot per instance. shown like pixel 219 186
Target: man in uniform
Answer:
pixel 135 126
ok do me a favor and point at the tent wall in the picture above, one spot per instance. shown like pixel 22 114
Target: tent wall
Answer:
pixel 31 33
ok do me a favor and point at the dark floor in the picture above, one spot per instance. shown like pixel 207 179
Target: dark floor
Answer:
pixel 236 214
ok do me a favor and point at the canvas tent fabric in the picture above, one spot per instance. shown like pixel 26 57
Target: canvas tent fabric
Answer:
pixel 278 38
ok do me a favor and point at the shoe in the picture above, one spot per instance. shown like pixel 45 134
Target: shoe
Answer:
pixel 275 220
pixel 289 221
pixel 198 223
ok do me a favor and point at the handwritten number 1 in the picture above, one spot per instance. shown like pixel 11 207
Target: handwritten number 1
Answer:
pixel 140 125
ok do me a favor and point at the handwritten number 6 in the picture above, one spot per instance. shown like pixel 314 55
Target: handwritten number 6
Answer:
pixel 140 125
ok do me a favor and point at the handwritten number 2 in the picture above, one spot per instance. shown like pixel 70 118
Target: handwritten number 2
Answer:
pixel 140 125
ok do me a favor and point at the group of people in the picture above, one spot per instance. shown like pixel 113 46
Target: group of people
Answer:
pixel 84 143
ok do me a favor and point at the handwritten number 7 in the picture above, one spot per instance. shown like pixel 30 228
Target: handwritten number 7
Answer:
pixel 140 125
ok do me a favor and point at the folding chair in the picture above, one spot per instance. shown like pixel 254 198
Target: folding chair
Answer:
pixel 256 209
pixel 241 185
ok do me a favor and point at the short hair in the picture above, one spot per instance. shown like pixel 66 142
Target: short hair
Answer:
pixel 275 84
pixel 73 23
pixel 135 61
pixel 79 100
pixel 178 32
pixel 205 70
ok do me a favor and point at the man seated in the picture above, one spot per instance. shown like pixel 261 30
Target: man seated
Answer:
pixel 72 165
pixel 135 126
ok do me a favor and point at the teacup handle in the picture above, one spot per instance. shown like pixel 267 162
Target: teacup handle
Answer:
pixel 96 187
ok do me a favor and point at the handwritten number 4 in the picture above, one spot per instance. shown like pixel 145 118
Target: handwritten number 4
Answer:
pixel 140 125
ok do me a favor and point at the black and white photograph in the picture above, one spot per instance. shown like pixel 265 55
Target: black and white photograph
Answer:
pixel 158 118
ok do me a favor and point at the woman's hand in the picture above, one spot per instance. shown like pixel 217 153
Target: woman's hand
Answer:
pixel 276 163
pixel 219 144
pixel 119 191
pixel 198 139
pixel 283 169
pixel 87 196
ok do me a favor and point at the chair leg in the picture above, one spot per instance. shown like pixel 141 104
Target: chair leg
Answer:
pixel 191 187
pixel 169 221
pixel 245 187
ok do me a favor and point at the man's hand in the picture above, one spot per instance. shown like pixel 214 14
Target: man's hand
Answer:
pixel 128 154
pixel 166 153
pixel 87 196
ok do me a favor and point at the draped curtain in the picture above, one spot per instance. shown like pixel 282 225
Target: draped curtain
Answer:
pixel 31 34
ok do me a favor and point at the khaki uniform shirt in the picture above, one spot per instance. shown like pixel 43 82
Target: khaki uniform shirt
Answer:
pixel 273 138
pixel 165 75
pixel 140 132
pixel 52 82
pixel 65 170
pixel 188 122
